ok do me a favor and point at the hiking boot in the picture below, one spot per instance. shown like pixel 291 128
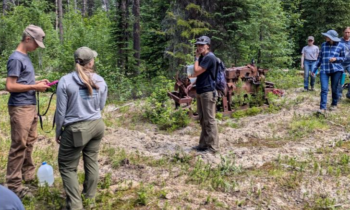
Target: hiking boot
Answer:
pixel 321 112
pixel 305 90
pixel 212 151
pixel 24 192
pixel 312 89
pixel 199 148
pixel 333 108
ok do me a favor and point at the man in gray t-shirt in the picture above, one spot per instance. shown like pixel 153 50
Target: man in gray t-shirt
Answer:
pixel 21 84
pixel 308 62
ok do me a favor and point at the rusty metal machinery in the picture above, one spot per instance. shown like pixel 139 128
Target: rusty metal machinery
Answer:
pixel 246 82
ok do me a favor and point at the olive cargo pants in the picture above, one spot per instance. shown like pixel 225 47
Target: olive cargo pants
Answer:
pixel 81 137
pixel 20 165
pixel 206 108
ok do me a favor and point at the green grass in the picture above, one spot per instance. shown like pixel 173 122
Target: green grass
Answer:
pixel 183 180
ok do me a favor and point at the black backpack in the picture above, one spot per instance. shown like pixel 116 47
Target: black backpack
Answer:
pixel 219 79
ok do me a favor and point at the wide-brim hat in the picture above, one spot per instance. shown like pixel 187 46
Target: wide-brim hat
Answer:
pixel 332 34
pixel 203 40
pixel 37 34
pixel 84 55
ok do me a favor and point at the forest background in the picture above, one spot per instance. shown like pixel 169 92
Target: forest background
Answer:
pixel 142 43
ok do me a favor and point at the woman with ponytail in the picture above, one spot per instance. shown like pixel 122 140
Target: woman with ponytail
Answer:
pixel 81 95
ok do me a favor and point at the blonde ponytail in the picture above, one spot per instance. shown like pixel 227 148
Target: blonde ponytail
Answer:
pixel 86 78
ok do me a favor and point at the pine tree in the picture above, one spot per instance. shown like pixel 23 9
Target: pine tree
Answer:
pixel 321 16
pixel 268 27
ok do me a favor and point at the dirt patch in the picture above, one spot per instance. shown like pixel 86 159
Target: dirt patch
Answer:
pixel 258 139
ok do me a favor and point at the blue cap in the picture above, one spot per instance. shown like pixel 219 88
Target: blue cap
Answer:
pixel 44 163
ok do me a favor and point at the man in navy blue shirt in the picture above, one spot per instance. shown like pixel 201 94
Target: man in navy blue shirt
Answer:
pixel 205 69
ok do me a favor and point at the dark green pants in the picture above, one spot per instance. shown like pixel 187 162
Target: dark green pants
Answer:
pixel 206 108
pixel 80 138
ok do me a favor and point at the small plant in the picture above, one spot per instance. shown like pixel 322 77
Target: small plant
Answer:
pixel 247 112
pixel 142 197
pixel 219 115
pixel 106 182
pixel 160 110
pixel 182 157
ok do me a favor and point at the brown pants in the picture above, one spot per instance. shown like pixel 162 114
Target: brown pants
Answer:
pixel 20 164
pixel 206 107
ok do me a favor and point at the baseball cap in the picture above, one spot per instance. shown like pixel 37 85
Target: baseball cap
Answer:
pixel 37 34
pixel 311 38
pixel 83 55
pixel 203 40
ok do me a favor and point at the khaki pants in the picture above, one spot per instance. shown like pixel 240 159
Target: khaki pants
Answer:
pixel 20 164
pixel 81 137
pixel 206 107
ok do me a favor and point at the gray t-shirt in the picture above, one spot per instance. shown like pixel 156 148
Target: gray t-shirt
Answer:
pixel 19 65
pixel 310 52
pixel 346 62
pixel 9 200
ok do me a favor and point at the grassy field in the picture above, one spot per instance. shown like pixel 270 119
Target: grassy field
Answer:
pixel 303 163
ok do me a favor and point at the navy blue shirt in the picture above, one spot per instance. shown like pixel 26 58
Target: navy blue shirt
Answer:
pixel 205 81
pixel 20 66
pixel 9 200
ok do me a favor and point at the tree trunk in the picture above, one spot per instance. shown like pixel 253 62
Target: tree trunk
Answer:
pixel 75 5
pixel 56 11
pixel 60 16
pixel 259 50
pixel 91 4
pixel 4 7
pixel 105 5
pixel 121 37
pixel 84 7
pixel 136 33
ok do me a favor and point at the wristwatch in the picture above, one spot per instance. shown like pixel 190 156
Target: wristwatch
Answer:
pixel 196 59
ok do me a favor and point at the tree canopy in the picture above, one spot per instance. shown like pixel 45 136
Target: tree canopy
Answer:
pixel 140 40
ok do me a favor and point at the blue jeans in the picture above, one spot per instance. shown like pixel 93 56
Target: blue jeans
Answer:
pixel 342 81
pixel 335 79
pixel 308 67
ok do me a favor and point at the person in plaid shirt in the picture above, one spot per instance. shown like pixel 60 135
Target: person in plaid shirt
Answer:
pixel 330 58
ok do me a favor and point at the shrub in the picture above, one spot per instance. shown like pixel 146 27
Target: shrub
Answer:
pixel 160 110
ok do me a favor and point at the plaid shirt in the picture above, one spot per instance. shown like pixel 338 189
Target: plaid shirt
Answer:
pixel 337 50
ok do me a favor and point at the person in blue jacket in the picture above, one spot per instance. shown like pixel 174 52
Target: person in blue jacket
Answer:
pixel 330 58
